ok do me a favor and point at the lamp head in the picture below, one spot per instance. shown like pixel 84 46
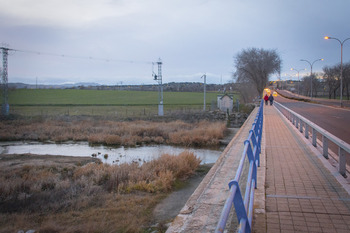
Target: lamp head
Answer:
pixel 326 37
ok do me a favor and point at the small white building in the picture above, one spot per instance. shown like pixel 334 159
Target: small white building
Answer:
pixel 225 102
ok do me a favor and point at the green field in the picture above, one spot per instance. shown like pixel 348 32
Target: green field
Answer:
pixel 102 102
pixel 103 97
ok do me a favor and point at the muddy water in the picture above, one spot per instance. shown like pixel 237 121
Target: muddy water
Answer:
pixel 110 155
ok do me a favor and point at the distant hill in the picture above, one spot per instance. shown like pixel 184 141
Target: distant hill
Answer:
pixel 172 86
pixel 52 86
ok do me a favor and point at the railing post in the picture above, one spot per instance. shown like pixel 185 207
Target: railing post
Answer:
pixel 290 116
pixel 325 146
pixel 311 130
pixel 297 122
pixel 314 137
pixel 306 130
pixel 342 162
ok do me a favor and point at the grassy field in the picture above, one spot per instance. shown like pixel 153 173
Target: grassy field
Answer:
pixel 103 102
pixel 103 97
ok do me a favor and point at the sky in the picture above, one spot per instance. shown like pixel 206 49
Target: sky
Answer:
pixel 115 42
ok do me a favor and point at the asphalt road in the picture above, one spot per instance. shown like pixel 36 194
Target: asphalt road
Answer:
pixel 329 102
pixel 334 120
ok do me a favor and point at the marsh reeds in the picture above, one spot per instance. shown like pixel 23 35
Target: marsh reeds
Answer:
pixel 88 198
pixel 117 133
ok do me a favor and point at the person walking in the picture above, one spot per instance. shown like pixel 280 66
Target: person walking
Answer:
pixel 271 99
pixel 266 98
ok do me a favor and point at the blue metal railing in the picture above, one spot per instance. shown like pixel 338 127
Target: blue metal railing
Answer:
pixel 244 206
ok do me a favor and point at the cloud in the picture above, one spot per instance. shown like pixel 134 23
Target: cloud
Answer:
pixel 72 13
pixel 192 37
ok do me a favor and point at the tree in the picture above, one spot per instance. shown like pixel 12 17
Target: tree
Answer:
pixel 254 66
pixel 316 84
pixel 331 76
pixel 346 78
pixel 305 85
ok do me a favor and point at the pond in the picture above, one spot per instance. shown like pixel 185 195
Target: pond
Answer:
pixel 110 155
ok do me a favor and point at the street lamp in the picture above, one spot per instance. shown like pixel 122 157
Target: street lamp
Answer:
pixel 298 76
pixel 341 65
pixel 311 64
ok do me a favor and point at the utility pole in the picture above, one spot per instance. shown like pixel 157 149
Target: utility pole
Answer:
pixel 205 82
pixel 5 105
pixel 160 88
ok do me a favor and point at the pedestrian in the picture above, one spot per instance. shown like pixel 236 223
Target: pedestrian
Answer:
pixel 266 98
pixel 271 99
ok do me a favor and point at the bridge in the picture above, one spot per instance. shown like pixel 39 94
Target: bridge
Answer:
pixel 298 188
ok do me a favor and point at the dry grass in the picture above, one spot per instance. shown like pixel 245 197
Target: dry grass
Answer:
pixel 109 132
pixel 88 198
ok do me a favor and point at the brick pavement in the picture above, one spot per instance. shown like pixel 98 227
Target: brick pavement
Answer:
pixel 301 194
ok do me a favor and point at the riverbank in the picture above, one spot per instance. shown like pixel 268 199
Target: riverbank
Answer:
pixel 63 194
pixel 82 195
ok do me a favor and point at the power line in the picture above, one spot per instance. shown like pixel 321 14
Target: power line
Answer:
pixel 78 57
pixel 4 50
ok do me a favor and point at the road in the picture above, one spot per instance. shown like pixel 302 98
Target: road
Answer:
pixel 329 102
pixel 334 120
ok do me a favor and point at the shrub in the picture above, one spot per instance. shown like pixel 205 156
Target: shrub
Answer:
pixel 63 198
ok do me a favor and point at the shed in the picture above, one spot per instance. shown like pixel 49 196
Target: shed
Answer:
pixel 225 102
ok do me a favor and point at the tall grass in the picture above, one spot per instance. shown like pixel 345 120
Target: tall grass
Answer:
pixel 109 132
pixel 117 198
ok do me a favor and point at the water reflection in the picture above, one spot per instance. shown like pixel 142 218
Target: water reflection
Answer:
pixel 110 155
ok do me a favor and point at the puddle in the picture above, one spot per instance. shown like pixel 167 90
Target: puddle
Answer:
pixel 110 155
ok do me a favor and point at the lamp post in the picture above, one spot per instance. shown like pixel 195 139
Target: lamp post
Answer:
pixel 311 64
pixel 298 76
pixel 341 65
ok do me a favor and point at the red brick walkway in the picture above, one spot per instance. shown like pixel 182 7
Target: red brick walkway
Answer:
pixel 301 194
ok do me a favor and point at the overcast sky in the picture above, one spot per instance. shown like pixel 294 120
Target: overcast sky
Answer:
pixel 114 41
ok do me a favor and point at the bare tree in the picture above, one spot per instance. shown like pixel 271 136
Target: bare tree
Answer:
pixel 305 86
pixel 331 76
pixel 346 79
pixel 316 84
pixel 254 66
pixel 247 92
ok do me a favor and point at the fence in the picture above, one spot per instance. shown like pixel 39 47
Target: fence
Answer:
pixel 119 111
pixel 305 126
pixel 244 206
